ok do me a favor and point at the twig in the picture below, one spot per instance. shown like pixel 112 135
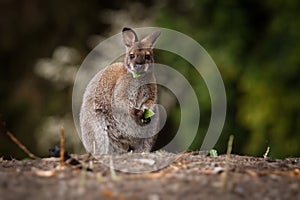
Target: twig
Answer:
pixel 62 146
pixel 290 173
pixel 21 146
pixel 15 140
pixel 225 174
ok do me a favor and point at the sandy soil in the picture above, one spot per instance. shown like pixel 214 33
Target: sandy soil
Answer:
pixel 185 176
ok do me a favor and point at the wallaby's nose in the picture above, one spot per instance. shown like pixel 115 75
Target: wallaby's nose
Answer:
pixel 139 60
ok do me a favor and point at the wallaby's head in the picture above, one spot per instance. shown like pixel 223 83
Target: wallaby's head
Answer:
pixel 139 53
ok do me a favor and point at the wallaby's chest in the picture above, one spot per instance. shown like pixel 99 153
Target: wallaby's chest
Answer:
pixel 133 89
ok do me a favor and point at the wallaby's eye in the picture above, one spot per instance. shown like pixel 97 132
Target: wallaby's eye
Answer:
pixel 131 56
pixel 147 57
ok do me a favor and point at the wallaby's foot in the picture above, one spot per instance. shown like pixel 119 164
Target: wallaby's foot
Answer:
pixel 138 116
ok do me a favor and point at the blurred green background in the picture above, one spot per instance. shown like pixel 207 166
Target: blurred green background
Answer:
pixel 255 44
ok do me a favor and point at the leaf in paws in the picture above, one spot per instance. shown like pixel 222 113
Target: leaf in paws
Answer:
pixel 148 113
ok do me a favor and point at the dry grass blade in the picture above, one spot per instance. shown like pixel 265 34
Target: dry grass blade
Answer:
pixel 114 176
pixel 266 153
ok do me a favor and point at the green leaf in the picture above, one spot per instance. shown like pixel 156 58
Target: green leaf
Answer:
pixel 135 75
pixel 148 113
pixel 213 153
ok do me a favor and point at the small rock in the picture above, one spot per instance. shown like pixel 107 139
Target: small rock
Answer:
pixel 218 170
pixel 146 161
pixel 153 197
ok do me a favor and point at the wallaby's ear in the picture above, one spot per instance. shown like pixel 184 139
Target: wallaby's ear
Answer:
pixel 129 37
pixel 150 39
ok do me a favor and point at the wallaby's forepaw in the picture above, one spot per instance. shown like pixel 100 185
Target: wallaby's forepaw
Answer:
pixel 146 120
pixel 138 116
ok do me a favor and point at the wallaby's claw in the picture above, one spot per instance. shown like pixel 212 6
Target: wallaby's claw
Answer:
pixel 146 121
pixel 138 116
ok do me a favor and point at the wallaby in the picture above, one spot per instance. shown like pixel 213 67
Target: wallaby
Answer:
pixel 112 115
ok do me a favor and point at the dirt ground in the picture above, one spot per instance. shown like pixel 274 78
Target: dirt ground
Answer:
pixel 188 176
